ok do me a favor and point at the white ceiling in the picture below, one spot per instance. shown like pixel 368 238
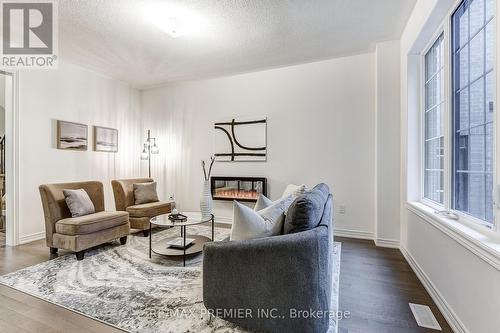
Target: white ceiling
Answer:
pixel 114 36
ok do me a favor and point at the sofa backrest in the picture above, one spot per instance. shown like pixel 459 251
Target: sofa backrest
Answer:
pixel 327 217
pixel 307 210
pixel 123 191
pixel 54 204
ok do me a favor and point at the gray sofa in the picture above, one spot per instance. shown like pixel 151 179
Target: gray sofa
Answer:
pixel 262 284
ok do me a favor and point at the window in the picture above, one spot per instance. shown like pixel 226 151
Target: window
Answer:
pixel 473 108
pixel 458 132
pixel 434 129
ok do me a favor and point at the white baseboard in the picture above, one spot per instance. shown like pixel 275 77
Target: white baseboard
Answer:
pixel 223 219
pixel 384 242
pixel 353 234
pixel 32 237
pixel 455 323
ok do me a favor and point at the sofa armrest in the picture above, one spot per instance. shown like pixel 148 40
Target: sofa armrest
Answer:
pixel 274 277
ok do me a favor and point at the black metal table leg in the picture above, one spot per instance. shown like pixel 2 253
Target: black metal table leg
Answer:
pixel 184 234
pixel 150 235
pixel 213 226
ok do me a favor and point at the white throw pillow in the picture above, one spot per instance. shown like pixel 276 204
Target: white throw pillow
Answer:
pixel 294 190
pixel 262 202
pixel 249 224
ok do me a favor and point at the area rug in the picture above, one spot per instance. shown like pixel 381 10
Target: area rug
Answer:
pixel 122 287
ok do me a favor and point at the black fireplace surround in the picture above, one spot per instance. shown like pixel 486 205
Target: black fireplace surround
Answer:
pixel 238 188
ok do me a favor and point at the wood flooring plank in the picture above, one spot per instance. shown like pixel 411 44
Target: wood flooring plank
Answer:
pixel 376 285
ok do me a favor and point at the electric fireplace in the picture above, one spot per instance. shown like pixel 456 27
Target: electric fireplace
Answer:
pixel 238 188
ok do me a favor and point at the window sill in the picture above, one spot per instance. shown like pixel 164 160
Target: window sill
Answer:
pixel 485 246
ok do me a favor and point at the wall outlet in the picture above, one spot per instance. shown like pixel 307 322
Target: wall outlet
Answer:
pixel 342 209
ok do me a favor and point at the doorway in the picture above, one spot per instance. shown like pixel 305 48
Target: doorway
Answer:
pixel 6 100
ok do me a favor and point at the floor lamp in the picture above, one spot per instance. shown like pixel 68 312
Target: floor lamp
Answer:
pixel 149 147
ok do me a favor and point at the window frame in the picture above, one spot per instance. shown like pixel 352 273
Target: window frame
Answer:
pixel 445 29
pixel 428 47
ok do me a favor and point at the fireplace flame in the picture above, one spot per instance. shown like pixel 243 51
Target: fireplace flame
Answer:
pixel 236 194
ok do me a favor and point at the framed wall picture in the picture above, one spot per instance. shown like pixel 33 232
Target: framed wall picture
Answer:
pixel 105 139
pixel 72 136
pixel 238 140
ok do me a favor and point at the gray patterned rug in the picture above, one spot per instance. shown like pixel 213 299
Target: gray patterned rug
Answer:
pixel 122 287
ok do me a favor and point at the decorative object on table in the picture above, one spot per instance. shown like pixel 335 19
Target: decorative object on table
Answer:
pixel 177 217
pixel 105 139
pixel 172 202
pixel 197 243
pixel 239 140
pixel 178 243
pixel 206 202
pixel 245 189
pixel 71 136
pixel 149 147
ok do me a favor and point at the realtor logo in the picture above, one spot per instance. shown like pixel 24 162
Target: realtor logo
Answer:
pixel 29 34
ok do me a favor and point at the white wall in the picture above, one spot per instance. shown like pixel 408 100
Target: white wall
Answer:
pixel 73 94
pixel 465 284
pixel 320 129
pixel 387 147
pixel 2 105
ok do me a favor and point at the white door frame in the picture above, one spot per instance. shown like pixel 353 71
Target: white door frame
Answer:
pixel 12 160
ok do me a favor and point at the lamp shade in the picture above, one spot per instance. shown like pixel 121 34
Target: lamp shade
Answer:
pixel 144 154
pixel 154 149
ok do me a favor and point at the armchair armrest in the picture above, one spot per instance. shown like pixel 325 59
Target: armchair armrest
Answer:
pixel 266 282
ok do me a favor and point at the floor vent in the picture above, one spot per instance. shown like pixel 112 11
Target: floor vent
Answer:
pixel 424 317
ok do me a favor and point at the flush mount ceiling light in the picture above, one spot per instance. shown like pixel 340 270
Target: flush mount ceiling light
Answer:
pixel 174 19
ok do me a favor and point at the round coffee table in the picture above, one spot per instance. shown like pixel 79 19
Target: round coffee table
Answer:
pixel 183 249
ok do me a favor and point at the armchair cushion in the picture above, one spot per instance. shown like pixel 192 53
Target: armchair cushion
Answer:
pixel 150 209
pixel 91 223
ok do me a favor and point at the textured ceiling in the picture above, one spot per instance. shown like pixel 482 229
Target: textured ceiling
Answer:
pixel 114 36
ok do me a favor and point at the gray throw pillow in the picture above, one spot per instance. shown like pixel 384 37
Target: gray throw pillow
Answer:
pixel 78 202
pixel 306 211
pixel 145 193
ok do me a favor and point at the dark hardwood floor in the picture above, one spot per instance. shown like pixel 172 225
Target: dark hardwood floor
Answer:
pixel 23 313
pixel 376 285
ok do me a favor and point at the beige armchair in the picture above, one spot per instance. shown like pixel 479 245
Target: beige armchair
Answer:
pixel 140 215
pixel 78 234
